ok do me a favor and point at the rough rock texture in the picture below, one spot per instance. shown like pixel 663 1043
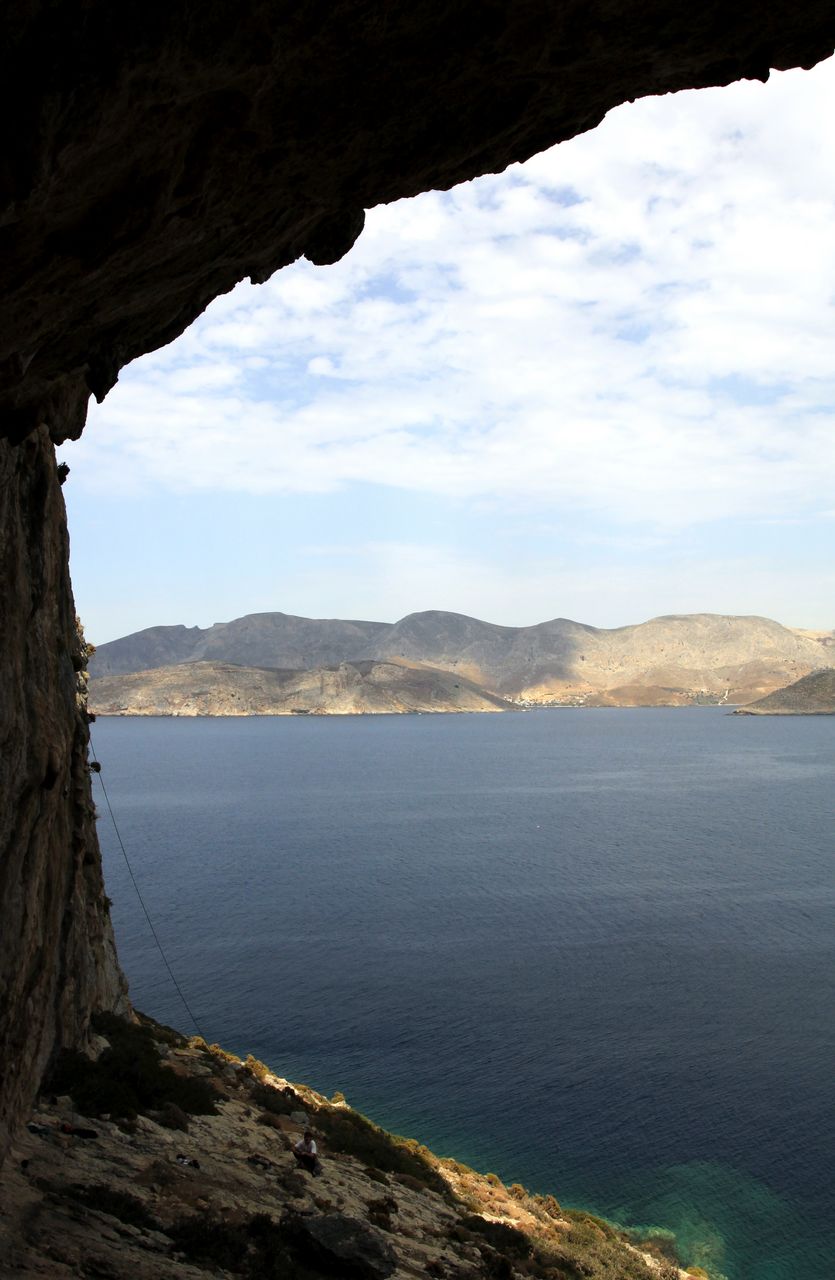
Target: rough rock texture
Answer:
pixel 351 688
pixel 160 153
pixel 814 695
pixel 155 155
pixel 109 1205
pixel 256 640
pixel 338 1243
pixel 57 957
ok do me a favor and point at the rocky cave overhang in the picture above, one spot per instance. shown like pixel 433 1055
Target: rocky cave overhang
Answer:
pixel 155 155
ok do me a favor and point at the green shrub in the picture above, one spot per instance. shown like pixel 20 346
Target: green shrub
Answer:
pixel 159 1031
pixel 206 1240
pixel 496 1265
pixel 127 1078
pixel 256 1068
pixel 416 1184
pixel 274 1100
pixel 580 1218
pixel 259 1249
pixel 586 1251
pixel 231 1059
pixel 270 1119
pixel 549 1205
pixel 504 1239
pixel 173 1117
pixel 350 1132
pixel 380 1211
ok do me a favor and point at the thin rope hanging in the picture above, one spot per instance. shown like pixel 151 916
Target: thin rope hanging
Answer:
pixel 177 986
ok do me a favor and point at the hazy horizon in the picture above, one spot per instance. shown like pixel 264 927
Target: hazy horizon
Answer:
pixel 490 621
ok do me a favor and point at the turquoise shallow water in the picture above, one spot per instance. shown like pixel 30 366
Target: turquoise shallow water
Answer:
pixel 590 950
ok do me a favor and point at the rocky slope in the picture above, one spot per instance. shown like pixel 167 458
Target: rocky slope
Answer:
pixel 352 688
pixel 257 640
pixel 814 695
pixel 209 1186
pixel 672 660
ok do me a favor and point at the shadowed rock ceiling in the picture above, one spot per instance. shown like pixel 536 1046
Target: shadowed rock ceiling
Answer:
pixel 158 154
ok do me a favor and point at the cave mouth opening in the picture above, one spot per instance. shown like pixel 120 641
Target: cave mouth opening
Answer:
pixel 342 332
pixel 570 387
pixel 148 179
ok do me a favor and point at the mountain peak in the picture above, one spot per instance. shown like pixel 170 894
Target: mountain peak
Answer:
pixel 673 659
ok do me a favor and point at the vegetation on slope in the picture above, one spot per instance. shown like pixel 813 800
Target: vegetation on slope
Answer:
pixel 235 1204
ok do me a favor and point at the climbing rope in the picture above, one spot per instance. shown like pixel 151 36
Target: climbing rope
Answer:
pixel 177 986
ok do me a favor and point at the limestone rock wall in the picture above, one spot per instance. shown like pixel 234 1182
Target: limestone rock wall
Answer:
pixel 57 956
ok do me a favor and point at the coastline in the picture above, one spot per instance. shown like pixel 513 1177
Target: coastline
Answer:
pixel 209 1181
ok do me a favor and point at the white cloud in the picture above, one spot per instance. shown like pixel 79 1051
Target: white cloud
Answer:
pixel 638 323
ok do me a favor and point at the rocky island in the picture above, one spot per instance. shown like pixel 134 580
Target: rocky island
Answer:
pixel 351 688
pixel 275 664
pixel 813 695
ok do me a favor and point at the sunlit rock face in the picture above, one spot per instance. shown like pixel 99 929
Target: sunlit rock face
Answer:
pixel 154 156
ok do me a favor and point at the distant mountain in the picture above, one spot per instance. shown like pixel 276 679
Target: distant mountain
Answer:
pixel 258 640
pixel 672 660
pixel 351 688
pixel 814 695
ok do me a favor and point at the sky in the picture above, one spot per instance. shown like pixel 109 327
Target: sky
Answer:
pixel 599 385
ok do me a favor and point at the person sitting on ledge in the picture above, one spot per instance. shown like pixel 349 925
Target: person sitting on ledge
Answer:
pixel 306 1153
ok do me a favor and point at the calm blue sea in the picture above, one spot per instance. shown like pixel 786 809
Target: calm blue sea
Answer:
pixel 593 951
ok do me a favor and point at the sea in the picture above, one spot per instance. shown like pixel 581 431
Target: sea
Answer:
pixel 592 951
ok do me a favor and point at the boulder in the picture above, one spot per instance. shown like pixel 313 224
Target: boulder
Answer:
pixel 340 1245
